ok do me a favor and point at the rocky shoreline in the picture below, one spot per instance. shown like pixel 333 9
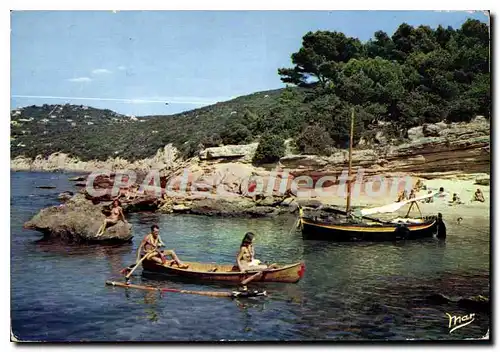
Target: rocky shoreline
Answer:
pixel 221 181
pixel 456 148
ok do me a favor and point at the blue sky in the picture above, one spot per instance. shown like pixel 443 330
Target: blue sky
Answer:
pixel 133 62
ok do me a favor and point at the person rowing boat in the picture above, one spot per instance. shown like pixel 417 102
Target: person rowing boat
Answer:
pixel 150 246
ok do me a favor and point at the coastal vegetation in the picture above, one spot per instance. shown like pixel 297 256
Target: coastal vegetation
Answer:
pixel 416 76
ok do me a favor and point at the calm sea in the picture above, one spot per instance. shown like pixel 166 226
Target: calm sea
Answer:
pixel 369 291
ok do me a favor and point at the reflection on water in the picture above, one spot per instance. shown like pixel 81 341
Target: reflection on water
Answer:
pixel 349 291
pixel 150 305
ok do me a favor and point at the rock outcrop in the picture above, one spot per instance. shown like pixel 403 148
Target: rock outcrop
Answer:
pixel 244 153
pixel 232 208
pixel 459 148
pixel 432 148
pixel 221 181
pixel 65 196
pixel 483 181
pixel 166 158
pixel 78 220
pixel 473 303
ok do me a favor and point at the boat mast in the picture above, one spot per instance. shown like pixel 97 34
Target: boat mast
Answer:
pixel 350 165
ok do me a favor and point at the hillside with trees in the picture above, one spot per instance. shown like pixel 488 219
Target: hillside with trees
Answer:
pixel 416 76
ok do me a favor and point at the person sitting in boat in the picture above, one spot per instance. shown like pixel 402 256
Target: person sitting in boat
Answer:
pixel 115 216
pixel 478 196
pixel 150 246
pixel 246 256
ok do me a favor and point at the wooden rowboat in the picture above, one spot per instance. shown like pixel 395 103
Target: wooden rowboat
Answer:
pixel 291 273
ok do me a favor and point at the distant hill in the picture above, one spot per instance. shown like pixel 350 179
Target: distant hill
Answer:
pixel 91 133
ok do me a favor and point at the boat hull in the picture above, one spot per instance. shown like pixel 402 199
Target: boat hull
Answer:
pixel 226 272
pixel 316 230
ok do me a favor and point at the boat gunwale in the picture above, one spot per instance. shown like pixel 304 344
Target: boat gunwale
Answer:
pixel 226 273
pixel 366 227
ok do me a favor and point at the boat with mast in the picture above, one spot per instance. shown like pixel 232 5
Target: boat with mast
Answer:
pixel 352 225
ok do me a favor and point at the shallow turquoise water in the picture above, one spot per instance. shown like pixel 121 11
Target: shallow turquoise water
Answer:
pixel 349 292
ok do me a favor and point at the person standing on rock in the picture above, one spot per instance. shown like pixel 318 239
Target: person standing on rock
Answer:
pixel 115 216
pixel 150 246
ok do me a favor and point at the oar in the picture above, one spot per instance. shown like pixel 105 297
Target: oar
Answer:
pixel 201 293
pixel 251 278
pixel 123 271
pixel 255 276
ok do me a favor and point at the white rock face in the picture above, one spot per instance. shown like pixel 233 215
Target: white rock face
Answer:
pixel 245 152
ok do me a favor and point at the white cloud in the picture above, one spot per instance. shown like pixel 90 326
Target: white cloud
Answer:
pixel 100 71
pixel 122 68
pixel 80 79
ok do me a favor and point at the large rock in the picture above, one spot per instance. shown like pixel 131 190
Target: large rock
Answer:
pixel 431 130
pixel 239 207
pixel 78 221
pixel 244 152
pixel 141 203
pixel 380 138
pixel 415 133
pixel 65 196
pixel 457 148
pixel 472 303
pixel 77 178
pixel 304 161
pixel 180 208
pixel 166 158
pixel 480 120
pixel 483 181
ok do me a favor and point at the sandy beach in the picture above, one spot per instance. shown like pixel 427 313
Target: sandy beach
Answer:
pixel 473 213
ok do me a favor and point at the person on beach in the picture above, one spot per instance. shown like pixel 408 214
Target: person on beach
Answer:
pixel 412 194
pixel 402 196
pixel 419 185
pixel 455 199
pixel 430 199
pixel 246 256
pixel 150 246
pixel 115 216
pixel 441 193
pixel 478 196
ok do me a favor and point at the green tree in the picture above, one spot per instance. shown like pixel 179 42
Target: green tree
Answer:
pixel 382 46
pixel 315 139
pixel 236 133
pixel 320 58
pixel 270 149
pixel 403 40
